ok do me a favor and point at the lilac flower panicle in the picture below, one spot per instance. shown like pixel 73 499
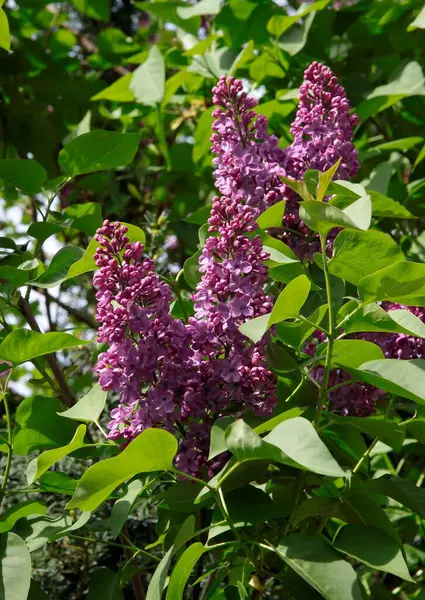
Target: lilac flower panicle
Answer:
pixel 248 159
pixel 323 133
pixel 148 359
pixel 231 290
pixel 169 373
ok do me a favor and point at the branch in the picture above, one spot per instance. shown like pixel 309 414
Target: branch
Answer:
pixel 74 312
pixel 66 393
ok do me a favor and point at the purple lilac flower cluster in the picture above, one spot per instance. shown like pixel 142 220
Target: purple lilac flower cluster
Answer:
pixel 148 361
pixel 360 399
pixel 323 133
pixel 248 159
pixel 182 376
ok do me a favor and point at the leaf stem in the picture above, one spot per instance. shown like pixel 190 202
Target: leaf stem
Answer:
pixel 45 217
pixel 311 324
pixel 9 446
pixel 324 387
pixel 298 490
pixel 161 136
pixel 365 455
pixel 96 540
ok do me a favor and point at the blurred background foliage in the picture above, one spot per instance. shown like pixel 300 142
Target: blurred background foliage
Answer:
pixel 148 67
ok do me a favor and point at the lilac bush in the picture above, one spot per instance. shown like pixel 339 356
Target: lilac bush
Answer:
pixel 182 376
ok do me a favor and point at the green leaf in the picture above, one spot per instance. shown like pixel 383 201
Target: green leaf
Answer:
pixel 104 584
pixel 382 206
pixel 36 592
pixel 298 439
pixel 15 574
pixel 318 506
pixel 96 9
pixel 402 144
pixel 24 344
pixel 405 378
pixel 191 270
pixel 389 432
pixel 279 23
pixel 296 334
pixel 354 353
pixel 203 7
pixel 402 282
pixel 148 81
pixel 58 268
pixel 254 329
pixel 157 583
pixel 152 450
pixel 89 408
pixel 273 422
pixel 360 253
pixel 56 482
pixel 372 317
pixel 202 143
pixel 360 507
pixel 325 179
pixel 407 80
pixel 123 505
pixel 85 217
pixel 299 187
pixel 419 22
pixel 401 490
pixel 218 436
pixel 42 463
pixel 119 91
pixel 294 40
pixel 320 566
pixel 290 300
pixel 38 425
pixel 41 230
pixel 98 150
pixel 86 262
pixel 26 175
pixel 287 306
pixel 420 157
pixel 294 442
pixel 374 548
pixel 322 217
pixel 273 216
pixel 182 571
pixel 4 31
pixel 167 11
pixel 17 511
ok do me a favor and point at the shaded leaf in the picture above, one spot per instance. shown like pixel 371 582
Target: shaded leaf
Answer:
pixel 98 150
pixel 26 175
pixel 320 566
pixel 373 547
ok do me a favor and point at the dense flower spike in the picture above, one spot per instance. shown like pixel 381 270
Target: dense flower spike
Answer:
pixel 248 159
pixel 232 262
pixel 323 132
pixel 148 359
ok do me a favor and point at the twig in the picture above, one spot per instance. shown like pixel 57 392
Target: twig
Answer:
pixel 66 393
pixel 136 580
pixel 74 312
